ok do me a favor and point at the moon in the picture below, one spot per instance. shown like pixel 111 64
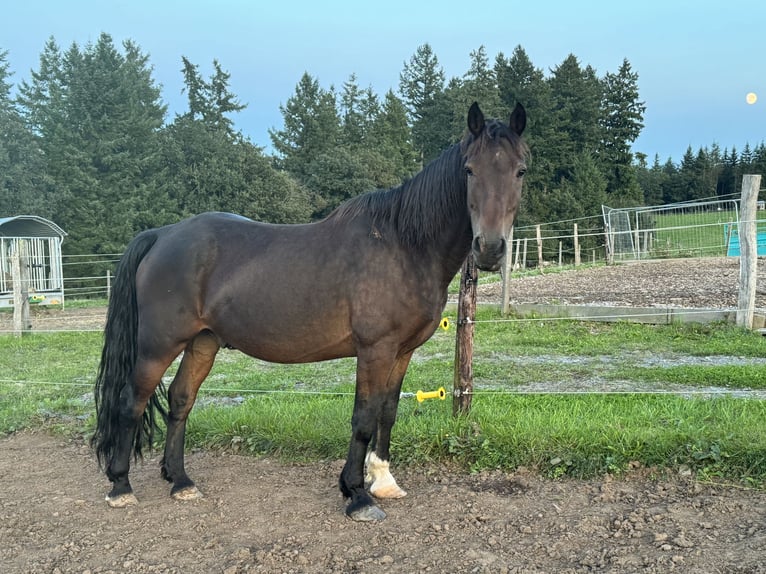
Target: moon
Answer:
pixel 751 98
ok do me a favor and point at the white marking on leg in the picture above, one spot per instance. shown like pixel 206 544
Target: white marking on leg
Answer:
pixel 383 484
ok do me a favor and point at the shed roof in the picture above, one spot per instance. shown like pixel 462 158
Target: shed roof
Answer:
pixel 29 226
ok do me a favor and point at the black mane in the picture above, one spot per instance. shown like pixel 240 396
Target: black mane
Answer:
pixel 415 210
pixel 418 209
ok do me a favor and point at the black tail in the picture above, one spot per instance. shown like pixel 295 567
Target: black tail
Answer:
pixel 118 358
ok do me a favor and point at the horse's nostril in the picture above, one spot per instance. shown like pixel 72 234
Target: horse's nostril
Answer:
pixel 477 244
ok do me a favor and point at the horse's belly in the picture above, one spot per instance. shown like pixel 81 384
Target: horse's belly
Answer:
pixel 297 346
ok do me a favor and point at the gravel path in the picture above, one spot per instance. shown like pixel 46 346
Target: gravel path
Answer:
pixel 689 283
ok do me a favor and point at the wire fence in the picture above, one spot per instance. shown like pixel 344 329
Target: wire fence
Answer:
pixel 204 390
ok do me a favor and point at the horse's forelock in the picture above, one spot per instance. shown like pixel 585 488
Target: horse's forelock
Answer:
pixel 494 131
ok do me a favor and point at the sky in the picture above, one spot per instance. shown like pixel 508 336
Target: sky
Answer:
pixel 696 60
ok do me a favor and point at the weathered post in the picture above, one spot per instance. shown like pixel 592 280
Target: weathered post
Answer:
pixel 539 247
pixel 466 312
pixel 20 278
pixel 507 268
pixel 524 257
pixel 748 254
pixel 576 247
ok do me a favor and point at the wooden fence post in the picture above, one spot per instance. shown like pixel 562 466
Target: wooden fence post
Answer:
pixel 576 247
pixel 748 245
pixel 20 278
pixel 466 312
pixel 609 248
pixel 524 257
pixel 507 267
pixel 539 247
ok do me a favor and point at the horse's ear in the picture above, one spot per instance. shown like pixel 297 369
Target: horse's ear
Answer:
pixel 475 120
pixel 518 119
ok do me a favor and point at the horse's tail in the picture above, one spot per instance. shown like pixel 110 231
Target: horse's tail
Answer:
pixel 118 359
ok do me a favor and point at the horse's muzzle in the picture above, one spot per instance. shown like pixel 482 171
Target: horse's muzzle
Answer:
pixel 488 253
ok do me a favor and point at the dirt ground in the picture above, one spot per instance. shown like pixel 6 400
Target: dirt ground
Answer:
pixel 264 516
pixel 709 283
pixel 259 515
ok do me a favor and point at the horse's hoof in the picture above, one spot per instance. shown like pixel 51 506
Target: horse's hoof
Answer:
pixel 367 514
pixel 388 491
pixel 122 500
pixel 188 493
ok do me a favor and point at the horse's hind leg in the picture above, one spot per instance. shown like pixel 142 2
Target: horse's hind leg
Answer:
pixel 146 376
pixel 197 361
pixel 118 467
pixel 382 482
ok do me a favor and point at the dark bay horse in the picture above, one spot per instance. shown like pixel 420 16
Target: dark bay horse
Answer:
pixel 368 281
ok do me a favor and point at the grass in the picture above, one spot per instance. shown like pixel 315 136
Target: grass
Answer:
pixel 680 234
pixel 303 412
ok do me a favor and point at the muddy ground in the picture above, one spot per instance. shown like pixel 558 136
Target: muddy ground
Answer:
pixel 259 515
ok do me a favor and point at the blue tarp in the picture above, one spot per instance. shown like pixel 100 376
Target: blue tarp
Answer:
pixel 733 250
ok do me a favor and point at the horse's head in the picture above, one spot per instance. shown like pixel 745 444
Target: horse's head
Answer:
pixel 495 163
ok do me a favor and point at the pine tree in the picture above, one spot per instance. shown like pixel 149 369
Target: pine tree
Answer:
pixel 576 109
pixel 97 113
pixel 211 101
pixel 212 167
pixel 480 85
pixel 520 82
pixel 22 173
pixel 421 82
pixel 311 127
pixel 392 135
pixel 621 122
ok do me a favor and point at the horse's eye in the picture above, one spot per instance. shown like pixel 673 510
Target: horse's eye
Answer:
pixel 521 173
pixel 468 171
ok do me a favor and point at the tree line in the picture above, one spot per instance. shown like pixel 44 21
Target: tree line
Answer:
pixel 708 173
pixel 86 142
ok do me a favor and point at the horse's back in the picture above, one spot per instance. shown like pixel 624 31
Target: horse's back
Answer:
pixel 277 292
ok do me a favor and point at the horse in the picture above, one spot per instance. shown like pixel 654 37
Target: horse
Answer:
pixel 368 281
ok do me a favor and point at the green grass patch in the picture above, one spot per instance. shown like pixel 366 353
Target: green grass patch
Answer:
pixel 303 412
pixel 576 436
pixel 702 233
pixel 725 376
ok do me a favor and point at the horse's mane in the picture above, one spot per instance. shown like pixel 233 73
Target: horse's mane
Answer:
pixel 417 209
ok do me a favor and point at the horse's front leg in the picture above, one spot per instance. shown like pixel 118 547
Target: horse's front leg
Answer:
pixel 381 481
pixel 363 424
pixel 373 371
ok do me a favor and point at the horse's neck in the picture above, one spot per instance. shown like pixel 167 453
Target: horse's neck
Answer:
pixel 451 243
pixel 456 247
